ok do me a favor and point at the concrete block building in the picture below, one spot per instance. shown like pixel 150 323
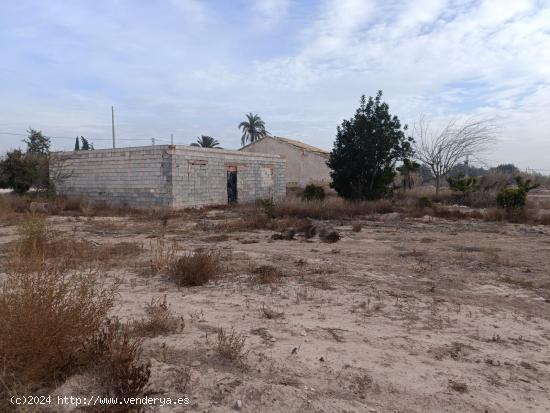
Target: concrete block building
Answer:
pixel 304 163
pixel 169 176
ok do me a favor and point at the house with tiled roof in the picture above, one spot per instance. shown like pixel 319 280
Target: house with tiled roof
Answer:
pixel 304 163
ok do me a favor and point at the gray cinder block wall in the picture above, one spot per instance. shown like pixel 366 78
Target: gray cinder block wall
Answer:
pixel 167 176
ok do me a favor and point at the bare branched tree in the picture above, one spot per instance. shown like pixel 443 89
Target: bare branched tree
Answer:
pixel 59 170
pixel 441 150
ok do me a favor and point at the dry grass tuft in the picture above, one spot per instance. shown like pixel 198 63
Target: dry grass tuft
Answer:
pixel 116 353
pixel 38 245
pixel 195 269
pixel 329 236
pixel 160 319
pixel 266 274
pixel 356 227
pixel 330 208
pixel 231 346
pixel 34 235
pixel 457 386
pixel 11 206
pixel 164 254
pixel 49 316
pixel 307 228
pixel 271 314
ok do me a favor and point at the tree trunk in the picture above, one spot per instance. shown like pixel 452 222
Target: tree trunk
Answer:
pixel 437 185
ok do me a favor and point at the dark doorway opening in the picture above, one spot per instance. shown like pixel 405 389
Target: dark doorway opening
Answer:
pixel 231 184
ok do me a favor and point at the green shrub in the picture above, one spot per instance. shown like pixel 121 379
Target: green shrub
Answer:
pixel 515 198
pixel 511 198
pixel 313 192
pixel 268 206
pixel 464 185
pixel 425 202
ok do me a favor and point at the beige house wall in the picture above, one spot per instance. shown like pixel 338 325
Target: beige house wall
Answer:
pixel 302 166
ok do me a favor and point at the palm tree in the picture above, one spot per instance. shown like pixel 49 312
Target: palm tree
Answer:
pixel 407 170
pixel 207 142
pixel 253 129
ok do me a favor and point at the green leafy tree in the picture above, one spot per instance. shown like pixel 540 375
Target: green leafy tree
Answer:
pixel 407 171
pixel 18 171
pixel 206 142
pixel 37 144
pixel 366 150
pixel 77 144
pixel 253 129
pixel 23 170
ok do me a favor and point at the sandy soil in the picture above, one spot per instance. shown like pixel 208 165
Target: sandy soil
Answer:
pixel 407 315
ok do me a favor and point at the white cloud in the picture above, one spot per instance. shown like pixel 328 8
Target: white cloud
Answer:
pixel 179 66
pixel 269 12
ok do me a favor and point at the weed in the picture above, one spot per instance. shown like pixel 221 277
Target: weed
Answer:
pixel 330 208
pixel 457 386
pixel 271 314
pixel 303 293
pixel 307 228
pixel 34 235
pixel 424 202
pixel 356 227
pixel 164 254
pixel 285 235
pixel 266 274
pixel 231 346
pixel 329 236
pixel 313 192
pixel 195 269
pixel 160 319
pixel 267 206
pixel 423 265
pixel 116 354
pixel 49 316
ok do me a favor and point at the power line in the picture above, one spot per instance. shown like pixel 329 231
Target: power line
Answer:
pixel 95 139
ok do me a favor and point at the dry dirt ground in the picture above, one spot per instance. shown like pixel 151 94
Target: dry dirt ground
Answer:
pixel 407 315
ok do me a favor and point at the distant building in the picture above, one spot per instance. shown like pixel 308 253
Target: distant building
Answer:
pixel 304 163
pixel 169 176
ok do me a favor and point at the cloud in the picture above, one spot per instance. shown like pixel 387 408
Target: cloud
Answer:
pixel 269 12
pixel 181 67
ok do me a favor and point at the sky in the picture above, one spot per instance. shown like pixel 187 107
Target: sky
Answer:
pixel 190 67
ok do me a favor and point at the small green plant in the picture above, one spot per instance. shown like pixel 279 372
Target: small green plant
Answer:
pixel 525 184
pixel 515 198
pixel 511 198
pixel 313 192
pixel 425 202
pixel 463 184
pixel 268 207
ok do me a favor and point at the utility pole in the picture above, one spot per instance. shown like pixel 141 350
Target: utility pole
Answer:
pixel 467 166
pixel 113 124
pixel 171 139
pixel 153 141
